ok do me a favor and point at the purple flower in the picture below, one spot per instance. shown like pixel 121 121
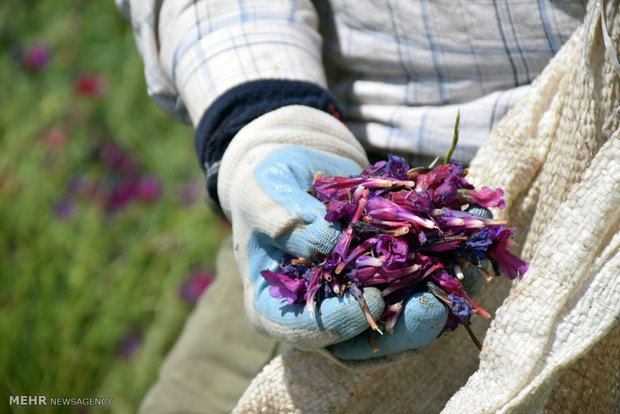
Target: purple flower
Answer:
pixel 394 250
pixel 394 167
pixel 508 263
pixel 479 240
pixel 148 188
pixel 121 195
pixel 432 180
pixel 313 287
pixel 284 286
pixel 129 345
pixel 353 255
pixel 382 209
pixel 64 208
pixel 411 200
pixel 36 58
pixel 485 197
pixel 117 159
pixel 452 285
pixel 337 210
pixel 367 260
pixel 460 308
pixel 195 285
pixel 391 314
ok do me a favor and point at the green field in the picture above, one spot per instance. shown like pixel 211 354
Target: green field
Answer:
pixel 103 213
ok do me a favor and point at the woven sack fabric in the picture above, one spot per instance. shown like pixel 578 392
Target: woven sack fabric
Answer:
pixel 554 343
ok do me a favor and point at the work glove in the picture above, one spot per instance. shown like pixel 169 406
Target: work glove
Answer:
pixel 263 185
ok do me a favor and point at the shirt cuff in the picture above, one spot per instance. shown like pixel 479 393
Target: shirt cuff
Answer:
pixel 241 105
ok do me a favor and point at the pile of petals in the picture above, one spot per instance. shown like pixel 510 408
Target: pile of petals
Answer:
pixel 405 231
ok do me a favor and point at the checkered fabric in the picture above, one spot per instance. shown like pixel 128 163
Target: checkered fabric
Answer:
pixel 400 68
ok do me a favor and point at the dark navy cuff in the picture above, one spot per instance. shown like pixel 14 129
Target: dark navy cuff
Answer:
pixel 241 105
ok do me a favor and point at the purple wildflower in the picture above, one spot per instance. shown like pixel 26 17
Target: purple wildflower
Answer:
pixel 337 210
pixel 121 195
pixel 394 167
pixel 460 308
pixel 130 343
pixel 64 208
pixel 36 58
pixel 148 188
pixel 117 159
pixel 393 249
pixel 284 286
pixel 479 240
pixel 382 209
pixel 452 285
pixel 485 197
pixel 509 264
pixel 195 285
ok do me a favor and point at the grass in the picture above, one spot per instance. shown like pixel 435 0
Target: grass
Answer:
pixel 76 280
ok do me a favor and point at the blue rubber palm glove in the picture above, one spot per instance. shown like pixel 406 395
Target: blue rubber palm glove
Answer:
pixel 263 182
pixel 262 186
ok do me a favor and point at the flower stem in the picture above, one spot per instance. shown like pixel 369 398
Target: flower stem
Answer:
pixel 455 138
pixel 473 336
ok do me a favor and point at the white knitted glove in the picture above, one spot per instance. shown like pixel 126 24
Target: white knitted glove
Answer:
pixel 263 181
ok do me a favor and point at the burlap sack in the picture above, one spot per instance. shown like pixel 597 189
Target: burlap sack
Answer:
pixel 554 343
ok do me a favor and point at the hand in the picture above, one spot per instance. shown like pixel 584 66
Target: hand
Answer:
pixel 262 185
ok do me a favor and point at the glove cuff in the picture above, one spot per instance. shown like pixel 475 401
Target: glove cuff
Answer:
pixel 288 125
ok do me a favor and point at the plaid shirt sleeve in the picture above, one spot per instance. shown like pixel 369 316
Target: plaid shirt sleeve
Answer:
pixel 400 69
pixel 194 51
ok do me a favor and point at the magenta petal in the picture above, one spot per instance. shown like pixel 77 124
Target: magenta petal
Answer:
pixel 394 249
pixel 486 197
pixel 284 286
pixel 509 264
pixel 339 209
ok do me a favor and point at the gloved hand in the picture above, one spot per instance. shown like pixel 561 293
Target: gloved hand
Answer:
pixel 262 186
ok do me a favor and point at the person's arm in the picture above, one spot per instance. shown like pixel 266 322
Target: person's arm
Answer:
pixel 221 64
pixel 250 77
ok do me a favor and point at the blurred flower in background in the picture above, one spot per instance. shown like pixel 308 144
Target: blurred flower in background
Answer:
pixel 198 281
pixel 64 208
pixel 117 159
pixel 90 85
pixel 56 138
pixel 148 188
pixel 130 343
pixel 34 59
